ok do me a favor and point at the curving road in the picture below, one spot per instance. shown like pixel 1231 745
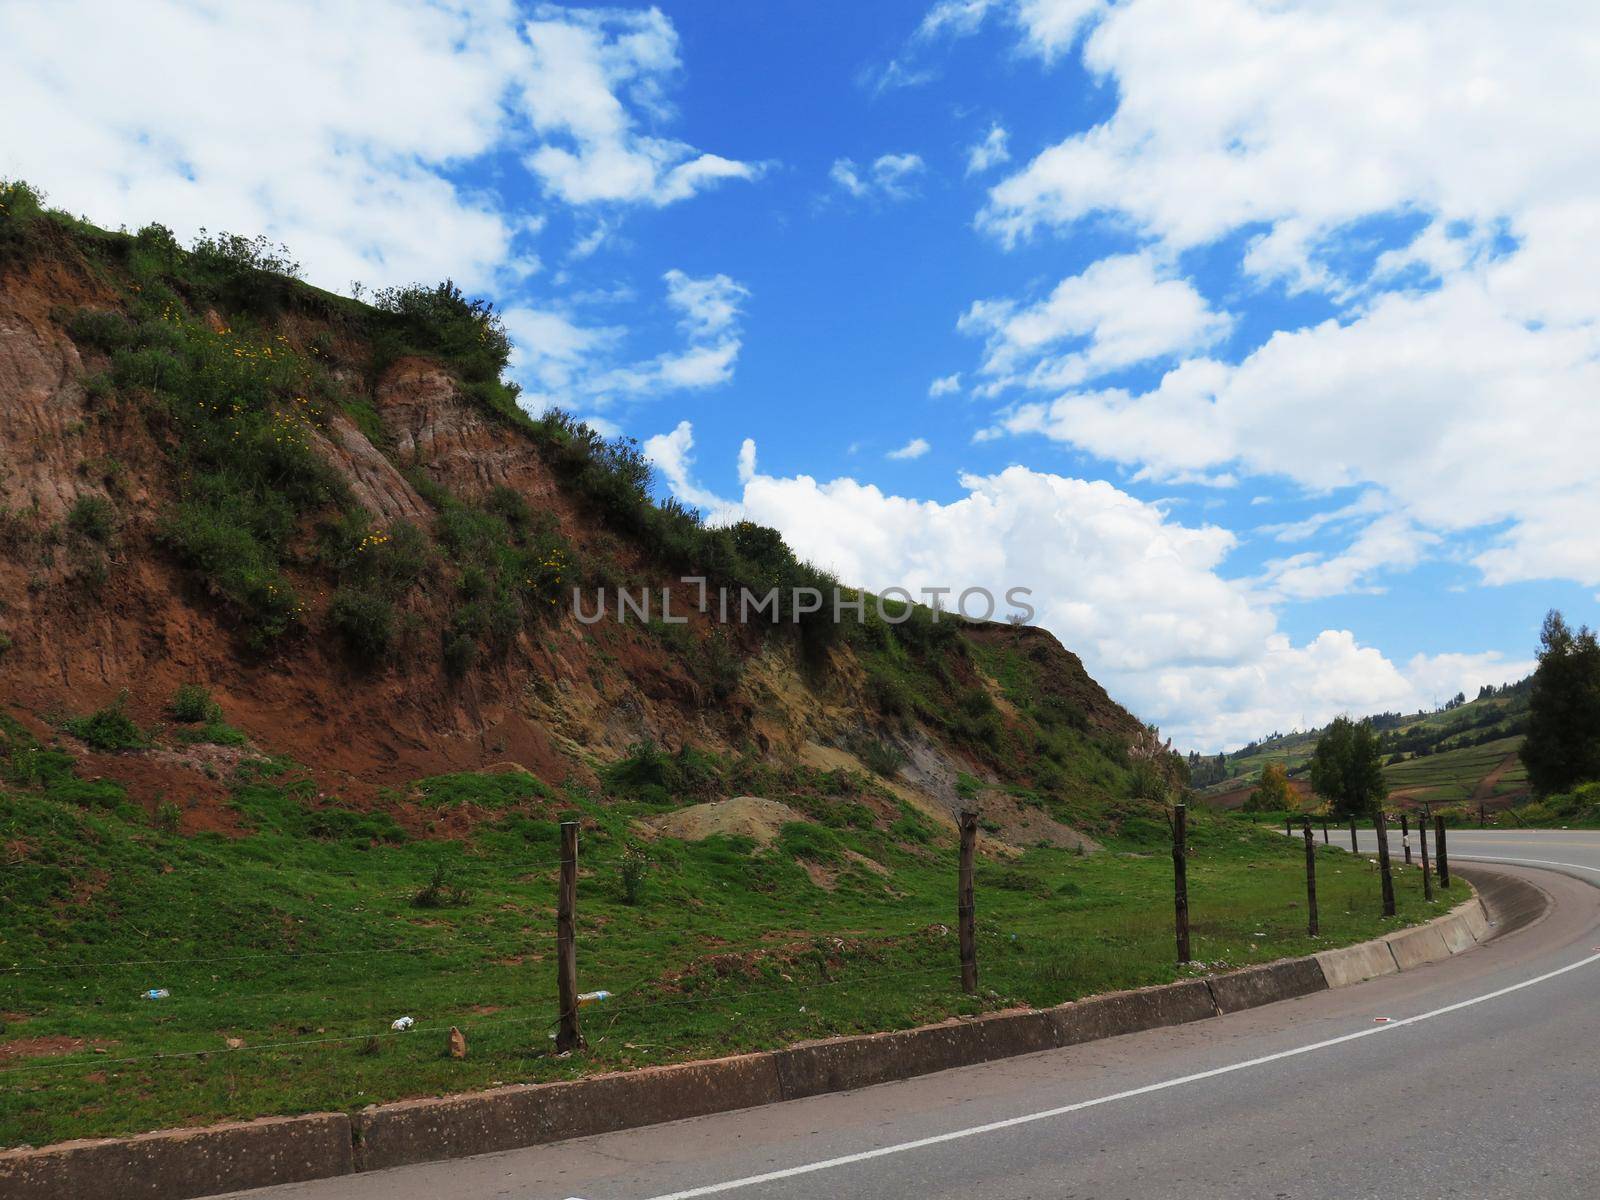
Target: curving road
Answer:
pixel 1483 1083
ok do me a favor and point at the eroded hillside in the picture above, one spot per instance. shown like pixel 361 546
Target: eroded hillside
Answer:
pixel 335 518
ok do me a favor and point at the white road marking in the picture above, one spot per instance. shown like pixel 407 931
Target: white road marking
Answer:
pixel 846 1160
pixel 1532 862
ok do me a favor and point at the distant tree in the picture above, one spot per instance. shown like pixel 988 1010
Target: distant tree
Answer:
pixel 1347 769
pixel 1562 749
pixel 1273 793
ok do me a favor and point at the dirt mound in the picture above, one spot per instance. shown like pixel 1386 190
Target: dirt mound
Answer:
pixel 742 816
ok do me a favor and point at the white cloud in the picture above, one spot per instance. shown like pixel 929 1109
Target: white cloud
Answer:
pixel 955 18
pixel 1139 596
pixel 1048 28
pixel 583 63
pixel 1388 543
pixel 915 448
pixel 1051 27
pixel 234 118
pixel 710 306
pixel 1458 382
pixel 672 455
pixel 945 385
pixel 888 177
pixel 1469 118
pixel 562 363
pixel 1121 311
pixel 990 152
pixel 344 141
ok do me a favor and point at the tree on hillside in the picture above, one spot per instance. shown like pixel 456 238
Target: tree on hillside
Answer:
pixel 1563 745
pixel 1273 793
pixel 1347 769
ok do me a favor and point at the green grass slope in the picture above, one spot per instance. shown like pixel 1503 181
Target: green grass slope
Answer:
pixel 290 946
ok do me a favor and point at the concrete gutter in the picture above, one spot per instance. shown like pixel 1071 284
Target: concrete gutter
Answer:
pixel 184 1163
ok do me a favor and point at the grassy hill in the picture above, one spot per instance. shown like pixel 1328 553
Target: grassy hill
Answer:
pixel 1463 753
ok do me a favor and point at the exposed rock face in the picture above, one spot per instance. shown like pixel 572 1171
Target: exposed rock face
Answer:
pixel 377 485
pixel 564 698
pixel 436 427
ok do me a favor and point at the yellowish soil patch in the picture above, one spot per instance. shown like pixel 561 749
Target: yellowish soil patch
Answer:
pixel 742 816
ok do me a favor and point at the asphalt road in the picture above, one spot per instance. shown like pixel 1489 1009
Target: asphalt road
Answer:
pixel 1482 1083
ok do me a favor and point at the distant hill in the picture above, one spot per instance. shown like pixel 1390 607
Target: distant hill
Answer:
pixel 1463 751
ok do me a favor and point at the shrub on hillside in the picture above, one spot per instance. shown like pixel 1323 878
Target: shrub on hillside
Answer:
pixel 365 622
pixel 442 320
pixel 93 517
pixel 99 329
pixel 109 729
pixel 649 773
pixel 193 705
pixel 881 758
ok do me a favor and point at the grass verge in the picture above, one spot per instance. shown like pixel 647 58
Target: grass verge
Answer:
pixel 288 952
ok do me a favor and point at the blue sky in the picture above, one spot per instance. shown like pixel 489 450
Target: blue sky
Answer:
pixel 1259 339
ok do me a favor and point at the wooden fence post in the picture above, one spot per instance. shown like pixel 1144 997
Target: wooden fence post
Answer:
pixel 1480 814
pixel 1422 834
pixel 1405 836
pixel 1444 854
pixel 1311 880
pixel 1353 849
pixel 1324 831
pixel 1180 877
pixel 966 910
pixel 1288 825
pixel 1380 824
pixel 568 1036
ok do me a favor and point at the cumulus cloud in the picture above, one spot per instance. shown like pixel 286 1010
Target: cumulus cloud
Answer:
pixel 888 177
pixel 1457 382
pixel 945 385
pixel 583 63
pixel 672 455
pixel 344 144
pixel 1122 310
pixel 915 448
pixel 1143 598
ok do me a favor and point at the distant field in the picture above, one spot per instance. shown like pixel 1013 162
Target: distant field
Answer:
pixel 1451 774
pixel 1489 773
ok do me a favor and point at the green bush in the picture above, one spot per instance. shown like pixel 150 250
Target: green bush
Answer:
pixel 441 891
pixel 93 517
pixel 5 642
pixel 99 329
pixel 442 320
pixel 881 758
pixel 242 273
pixel 649 772
pixel 109 729
pixel 633 869
pixel 193 705
pixel 365 622
pixel 238 407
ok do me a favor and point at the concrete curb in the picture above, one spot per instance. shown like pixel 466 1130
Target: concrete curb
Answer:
pixel 413 1131
pixel 182 1164
pixel 1357 964
pixel 1267 984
